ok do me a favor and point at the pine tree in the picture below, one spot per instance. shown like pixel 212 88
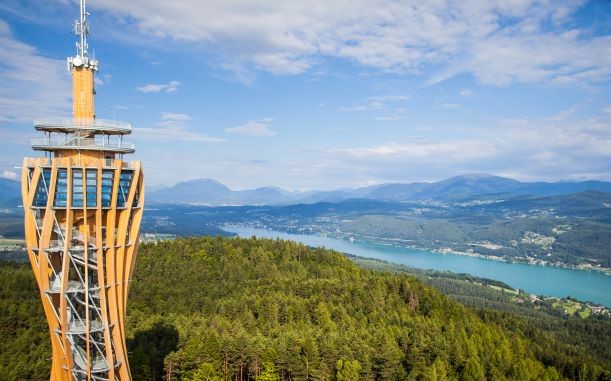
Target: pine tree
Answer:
pixel 205 372
pixel 269 372
pixel 348 370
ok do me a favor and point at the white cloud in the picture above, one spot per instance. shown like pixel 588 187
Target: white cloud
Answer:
pixel 171 120
pixel 253 128
pixel 11 175
pixel 177 117
pixel 31 85
pixel 564 145
pixel 172 127
pixel 177 133
pixel 101 81
pixel 557 147
pixel 452 106
pixel 386 118
pixel 390 98
pixel 462 150
pixel 561 146
pixel 370 106
pixel 499 42
pixel 169 87
pixel 16 136
pixel 563 59
pixel 375 103
pixel 466 93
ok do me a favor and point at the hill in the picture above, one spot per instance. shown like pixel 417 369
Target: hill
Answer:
pixel 211 192
pixel 479 185
pixel 245 309
pixel 569 230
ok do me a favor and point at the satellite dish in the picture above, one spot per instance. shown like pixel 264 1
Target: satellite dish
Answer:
pixel 77 61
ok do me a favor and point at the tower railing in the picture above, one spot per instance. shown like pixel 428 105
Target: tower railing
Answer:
pixel 56 142
pixel 94 124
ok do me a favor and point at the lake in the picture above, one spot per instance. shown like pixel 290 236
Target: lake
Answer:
pixel 585 285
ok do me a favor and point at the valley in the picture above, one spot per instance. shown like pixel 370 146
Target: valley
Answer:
pixel 570 230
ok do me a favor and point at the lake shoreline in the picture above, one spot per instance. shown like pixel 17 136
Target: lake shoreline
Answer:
pixel 450 251
pixel 397 242
pixel 557 281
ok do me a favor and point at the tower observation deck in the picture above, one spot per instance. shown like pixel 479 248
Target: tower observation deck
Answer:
pixel 83 207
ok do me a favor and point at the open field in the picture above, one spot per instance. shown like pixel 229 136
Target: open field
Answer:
pixel 572 307
pixel 509 290
pixel 8 242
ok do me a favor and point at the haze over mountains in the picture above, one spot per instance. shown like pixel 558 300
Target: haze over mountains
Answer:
pixel 10 193
pixel 211 192
pixel 453 213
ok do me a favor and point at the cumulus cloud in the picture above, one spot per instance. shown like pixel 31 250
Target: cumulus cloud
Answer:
pixel 499 42
pixel 172 127
pixel 452 106
pixel 390 98
pixel 561 146
pixel 466 93
pixel 31 85
pixel 11 175
pixel 253 128
pixel 102 80
pixel 374 103
pixel 369 106
pixel 178 133
pixel 169 87
pixel 176 117
pixel 564 59
pixel 463 150
pixel 386 118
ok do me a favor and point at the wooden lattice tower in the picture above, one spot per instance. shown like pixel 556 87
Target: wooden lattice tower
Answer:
pixel 83 206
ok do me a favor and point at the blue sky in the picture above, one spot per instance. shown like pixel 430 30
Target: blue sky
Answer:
pixel 321 94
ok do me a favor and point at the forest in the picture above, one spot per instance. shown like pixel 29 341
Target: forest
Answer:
pixel 255 309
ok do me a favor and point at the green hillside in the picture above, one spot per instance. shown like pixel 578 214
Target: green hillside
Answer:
pixel 542 238
pixel 246 309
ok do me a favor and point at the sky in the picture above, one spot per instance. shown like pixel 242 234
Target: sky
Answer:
pixel 325 94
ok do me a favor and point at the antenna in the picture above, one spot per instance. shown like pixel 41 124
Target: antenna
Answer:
pixel 81 29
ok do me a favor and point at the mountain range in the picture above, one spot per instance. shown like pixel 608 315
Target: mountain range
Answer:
pixel 459 188
pixel 211 192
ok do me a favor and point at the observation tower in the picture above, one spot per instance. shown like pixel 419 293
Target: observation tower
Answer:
pixel 83 206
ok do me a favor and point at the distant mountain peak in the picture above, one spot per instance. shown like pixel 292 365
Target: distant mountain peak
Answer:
pixel 478 177
pixel 209 183
pixel 201 181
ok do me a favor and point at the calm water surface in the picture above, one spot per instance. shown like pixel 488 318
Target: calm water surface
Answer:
pixel 542 280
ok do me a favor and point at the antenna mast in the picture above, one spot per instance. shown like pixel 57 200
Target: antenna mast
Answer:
pixel 81 29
